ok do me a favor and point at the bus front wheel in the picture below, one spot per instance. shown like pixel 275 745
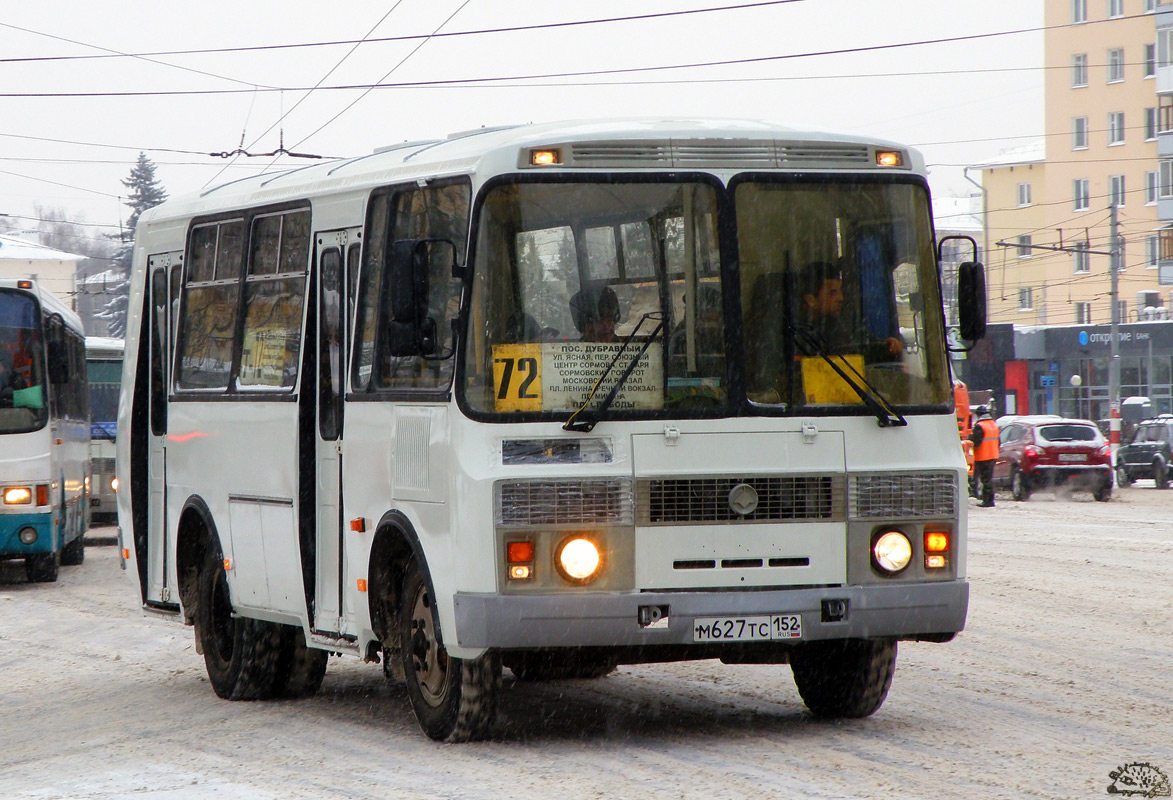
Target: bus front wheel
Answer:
pixel 454 699
pixel 844 677
pixel 241 654
pixel 42 567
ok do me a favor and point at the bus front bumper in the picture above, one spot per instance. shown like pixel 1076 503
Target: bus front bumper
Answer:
pixel 12 524
pixel 902 611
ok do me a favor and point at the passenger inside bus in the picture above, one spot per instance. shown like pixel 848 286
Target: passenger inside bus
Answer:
pixel 594 309
pixel 11 380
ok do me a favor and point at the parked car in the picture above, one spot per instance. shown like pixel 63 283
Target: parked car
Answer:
pixel 1039 452
pixel 1148 454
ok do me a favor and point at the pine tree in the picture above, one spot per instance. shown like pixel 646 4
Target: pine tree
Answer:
pixel 145 192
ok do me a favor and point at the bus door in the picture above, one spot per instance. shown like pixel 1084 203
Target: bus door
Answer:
pixel 160 546
pixel 336 251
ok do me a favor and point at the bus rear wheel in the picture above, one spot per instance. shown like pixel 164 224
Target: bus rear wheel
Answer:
pixel 454 699
pixel 74 553
pixel 240 654
pixel 300 668
pixel 42 567
pixel 844 677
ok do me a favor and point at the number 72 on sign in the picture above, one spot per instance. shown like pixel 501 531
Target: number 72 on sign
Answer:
pixel 517 376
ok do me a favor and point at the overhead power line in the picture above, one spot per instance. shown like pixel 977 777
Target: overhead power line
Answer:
pixel 385 39
pixel 479 81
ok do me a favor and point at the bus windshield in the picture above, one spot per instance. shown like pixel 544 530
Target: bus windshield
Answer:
pixel 589 293
pixel 104 379
pixel 577 279
pixel 22 394
pixel 841 270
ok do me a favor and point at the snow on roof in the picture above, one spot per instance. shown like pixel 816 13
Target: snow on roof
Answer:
pixel 960 214
pixel 14 249
pixel 103 278
pixel 1032 153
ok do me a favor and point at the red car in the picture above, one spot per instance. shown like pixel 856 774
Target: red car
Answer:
pixel 1039 452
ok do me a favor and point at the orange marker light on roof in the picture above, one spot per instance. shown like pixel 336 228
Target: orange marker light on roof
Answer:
pixel 889 158
pixel 24 284
pixel 545 158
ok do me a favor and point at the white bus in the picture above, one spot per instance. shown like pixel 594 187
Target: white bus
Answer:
pixel 44 431
pixel 104 375
pixel 551 398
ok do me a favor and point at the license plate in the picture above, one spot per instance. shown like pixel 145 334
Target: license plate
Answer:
pixel 747 629
pixel 1073 456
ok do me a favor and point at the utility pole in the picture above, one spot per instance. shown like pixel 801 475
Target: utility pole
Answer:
pixel 1114 352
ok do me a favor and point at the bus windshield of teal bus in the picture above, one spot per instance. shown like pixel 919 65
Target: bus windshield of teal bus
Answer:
pixel 22 385
pixel 104 377
pixel 592 293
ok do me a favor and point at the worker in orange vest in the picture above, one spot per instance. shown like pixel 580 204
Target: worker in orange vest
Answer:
pixel 985 453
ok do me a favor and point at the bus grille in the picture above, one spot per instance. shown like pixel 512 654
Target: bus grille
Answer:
pixel 697 501
pixel 931 494
pixel 521 504
pixel 102 466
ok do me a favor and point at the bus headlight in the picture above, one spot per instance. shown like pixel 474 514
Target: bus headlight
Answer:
pixel 892 551
pixel 28 535
pixel 18 495
pixel 578 559
pixel 114 484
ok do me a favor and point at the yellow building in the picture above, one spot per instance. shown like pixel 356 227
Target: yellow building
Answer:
pixel 1100 150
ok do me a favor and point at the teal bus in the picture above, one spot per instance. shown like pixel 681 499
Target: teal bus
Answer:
pixel 44 431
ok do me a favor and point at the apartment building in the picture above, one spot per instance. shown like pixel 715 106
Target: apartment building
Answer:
pixel 1103 124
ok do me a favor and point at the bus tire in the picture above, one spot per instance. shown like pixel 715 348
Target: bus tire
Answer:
pixel 844 677
pixel 74 553
pixel 300 668
pixel 454 699
pixel 240 654
pixel 553 665
pixel 42 567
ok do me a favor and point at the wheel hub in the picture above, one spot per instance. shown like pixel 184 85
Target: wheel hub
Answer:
pixel 429 661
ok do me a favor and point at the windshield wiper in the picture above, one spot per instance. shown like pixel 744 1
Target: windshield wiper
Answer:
pixel 886 415
pixel 585 421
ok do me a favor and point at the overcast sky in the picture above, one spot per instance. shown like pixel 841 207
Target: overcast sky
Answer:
pixel 959 101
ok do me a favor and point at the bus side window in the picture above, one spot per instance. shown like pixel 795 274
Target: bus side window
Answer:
pixel 211 296
pixel 274 291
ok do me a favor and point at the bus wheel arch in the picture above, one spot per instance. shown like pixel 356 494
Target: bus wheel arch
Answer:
pixel 395 546
pixel 196 535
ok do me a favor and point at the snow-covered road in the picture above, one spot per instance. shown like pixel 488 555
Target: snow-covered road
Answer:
pixel 1063 675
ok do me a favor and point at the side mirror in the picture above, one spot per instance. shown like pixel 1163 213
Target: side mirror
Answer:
pixel 971 300
pixel 410 331
pixel 971 293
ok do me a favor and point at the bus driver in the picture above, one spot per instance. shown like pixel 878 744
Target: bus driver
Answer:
pixel 820 314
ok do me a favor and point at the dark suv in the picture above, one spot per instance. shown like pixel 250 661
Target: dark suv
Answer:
pixel 1147 455
pixel 1037 452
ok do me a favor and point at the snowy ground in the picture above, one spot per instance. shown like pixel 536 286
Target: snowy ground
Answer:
pixel 1064 674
